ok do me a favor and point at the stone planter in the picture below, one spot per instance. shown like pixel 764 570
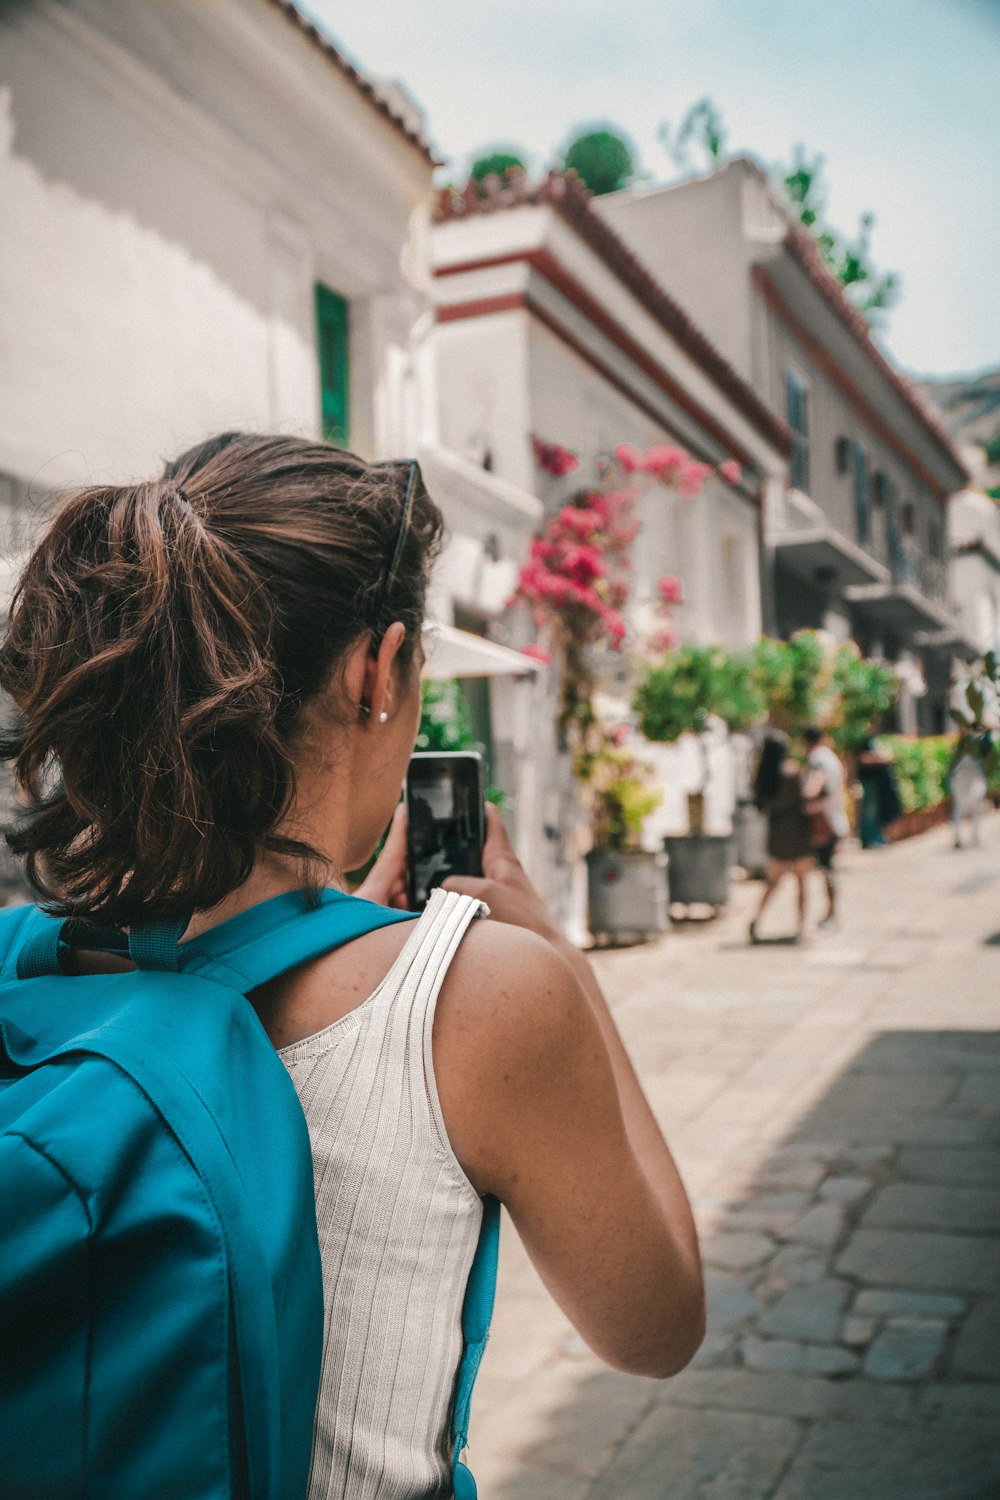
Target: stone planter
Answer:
pixel 698 869
pixel 627 895
pixel 908 824
pixel 750 840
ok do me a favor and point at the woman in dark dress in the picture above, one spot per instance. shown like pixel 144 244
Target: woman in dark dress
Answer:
pixel 778 793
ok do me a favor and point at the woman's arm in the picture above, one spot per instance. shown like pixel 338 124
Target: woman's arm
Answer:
pixel 544 1109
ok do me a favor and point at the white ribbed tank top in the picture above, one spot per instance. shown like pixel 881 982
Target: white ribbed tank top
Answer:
pixel 398 1226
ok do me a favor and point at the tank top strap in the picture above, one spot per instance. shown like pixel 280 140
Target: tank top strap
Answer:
pixel 431 948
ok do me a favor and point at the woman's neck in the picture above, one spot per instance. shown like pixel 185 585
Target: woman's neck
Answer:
pixel 272 875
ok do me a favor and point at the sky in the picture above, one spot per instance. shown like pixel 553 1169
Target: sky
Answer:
pixel 901 97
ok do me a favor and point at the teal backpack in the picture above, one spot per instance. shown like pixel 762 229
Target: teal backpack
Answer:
pixel 161 1305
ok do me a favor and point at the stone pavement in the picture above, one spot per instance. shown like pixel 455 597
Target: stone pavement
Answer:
pixel 835 1110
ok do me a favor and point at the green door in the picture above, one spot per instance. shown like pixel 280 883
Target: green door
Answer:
pixel 331 346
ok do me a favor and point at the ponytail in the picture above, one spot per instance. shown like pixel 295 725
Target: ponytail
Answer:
pixel 162 640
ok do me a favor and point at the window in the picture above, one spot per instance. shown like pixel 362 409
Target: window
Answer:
pixel 797 393
pixel 935 539
pixel 881 489
pixel 842 455
pixel 331 348
pixel 908 518
pixel 862 514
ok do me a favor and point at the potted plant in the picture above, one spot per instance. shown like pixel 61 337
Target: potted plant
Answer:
pixel 626 891
pixel 576 584
pixel 682 694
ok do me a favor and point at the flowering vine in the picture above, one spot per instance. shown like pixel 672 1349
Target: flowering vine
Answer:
pixel 575 586
pixel 575 580
pixel 554 458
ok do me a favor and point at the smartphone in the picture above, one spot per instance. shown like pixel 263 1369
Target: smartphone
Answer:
pixel 446 822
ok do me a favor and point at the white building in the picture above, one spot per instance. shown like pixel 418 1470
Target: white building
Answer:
pixel 548 326
pixel 974 543
pixel 212 221
pixel 856 543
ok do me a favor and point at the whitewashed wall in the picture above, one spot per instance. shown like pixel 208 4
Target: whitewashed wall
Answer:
pixel 172 189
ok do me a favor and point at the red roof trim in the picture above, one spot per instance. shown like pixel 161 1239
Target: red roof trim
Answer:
pixel 361 83
pixel 824 360
pixel 483 306
pixel 571 200
pixel 803 251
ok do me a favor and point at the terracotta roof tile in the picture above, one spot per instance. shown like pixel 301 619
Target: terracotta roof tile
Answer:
pixel 361 83
pixel 803 250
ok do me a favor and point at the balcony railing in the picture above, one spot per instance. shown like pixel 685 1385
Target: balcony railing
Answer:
pixel 908 564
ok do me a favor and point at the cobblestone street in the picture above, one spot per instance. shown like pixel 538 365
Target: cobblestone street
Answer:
pixel 835 1110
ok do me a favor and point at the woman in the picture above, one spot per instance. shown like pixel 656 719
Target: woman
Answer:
pixel 778 793
pixel 224 666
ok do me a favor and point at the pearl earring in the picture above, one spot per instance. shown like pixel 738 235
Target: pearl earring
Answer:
pixel 383 717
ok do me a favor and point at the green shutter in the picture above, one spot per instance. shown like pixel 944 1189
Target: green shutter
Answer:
pixel 331 347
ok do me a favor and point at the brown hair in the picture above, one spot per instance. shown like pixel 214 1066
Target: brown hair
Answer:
pixel 162 641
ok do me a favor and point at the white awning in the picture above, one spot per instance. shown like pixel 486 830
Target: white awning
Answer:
pixel 458 653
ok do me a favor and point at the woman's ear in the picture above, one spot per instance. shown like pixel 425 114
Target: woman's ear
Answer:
pixel 381 682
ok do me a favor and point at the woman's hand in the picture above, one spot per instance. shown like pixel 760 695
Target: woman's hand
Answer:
pixel 504 885
pixel 385 882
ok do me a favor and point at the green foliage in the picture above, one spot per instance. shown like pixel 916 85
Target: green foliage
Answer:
pixel 602 159
pixel 446 724
pixel 977 721
pixel 994 492
pixel 679 694
pixel 793 679
pixel 621 796
pixel 992 449
pixel 701 128
pixel 921 768
pixel 875 292
pixel 496 164
pixel 864 692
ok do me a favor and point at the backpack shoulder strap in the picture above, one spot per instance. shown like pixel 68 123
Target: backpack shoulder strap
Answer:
pixel 477 1313
pixel 277 935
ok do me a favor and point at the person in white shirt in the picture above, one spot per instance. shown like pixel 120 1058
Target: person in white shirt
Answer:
pixel 824 794
pixel 968 795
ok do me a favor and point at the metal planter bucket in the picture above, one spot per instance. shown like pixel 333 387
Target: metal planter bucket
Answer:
pixel 627 894
pixel 698 869
pixel 750 839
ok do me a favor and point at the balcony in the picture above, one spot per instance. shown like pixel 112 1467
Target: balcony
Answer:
pixel 915 596
pixel 815 551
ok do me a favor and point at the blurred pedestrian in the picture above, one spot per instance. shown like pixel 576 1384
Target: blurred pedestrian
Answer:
pixel 778 792
pixel 968 795
pixel 880 804
pixel 824 793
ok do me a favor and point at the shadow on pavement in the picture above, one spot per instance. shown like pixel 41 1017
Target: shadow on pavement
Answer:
pixel 854 1312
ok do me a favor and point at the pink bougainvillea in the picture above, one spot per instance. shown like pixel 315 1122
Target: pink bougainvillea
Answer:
pixel 537 653
pixel 662 640
pixel 553 457
pixel 731 471
pixel 575 579
pixel 668 464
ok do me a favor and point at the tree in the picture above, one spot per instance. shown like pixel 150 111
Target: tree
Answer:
pixel 872 292
pixel 865 692
pixel 496 164
pixel 602 159
pixel 701 127
pixel 875 292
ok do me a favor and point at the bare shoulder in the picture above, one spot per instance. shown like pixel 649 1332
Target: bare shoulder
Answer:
pixel 511 1023
pixel 510 985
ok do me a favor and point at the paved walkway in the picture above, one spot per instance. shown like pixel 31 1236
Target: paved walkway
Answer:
pixel 835 1109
